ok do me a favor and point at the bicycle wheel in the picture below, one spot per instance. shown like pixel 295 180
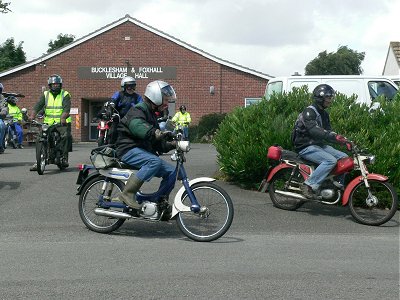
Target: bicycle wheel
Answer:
pixel 41 154
pixel 214 218
pixel 279 185
pixel 374 206
pixel 88 201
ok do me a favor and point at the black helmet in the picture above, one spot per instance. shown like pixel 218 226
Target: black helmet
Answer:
pixel 12 100
pixel 323 91
pixel 182 107
pixel 55 79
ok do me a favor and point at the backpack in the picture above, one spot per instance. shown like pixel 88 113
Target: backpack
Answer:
pixel 299 125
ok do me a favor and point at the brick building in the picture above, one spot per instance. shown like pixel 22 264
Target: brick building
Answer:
pixel 92 68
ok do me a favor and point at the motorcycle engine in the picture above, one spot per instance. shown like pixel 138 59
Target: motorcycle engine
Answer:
pixel 328 191
pixel 328 194
pixel 150 210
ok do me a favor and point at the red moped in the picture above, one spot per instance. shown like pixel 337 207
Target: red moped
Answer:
pixel 372 200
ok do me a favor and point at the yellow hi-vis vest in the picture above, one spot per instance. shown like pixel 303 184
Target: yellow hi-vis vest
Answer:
pixel 182 119
pixel 54 109
pixel 15 112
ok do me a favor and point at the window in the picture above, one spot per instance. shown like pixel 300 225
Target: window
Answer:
pixel 273 87
pixel 251 101
pixel 379 88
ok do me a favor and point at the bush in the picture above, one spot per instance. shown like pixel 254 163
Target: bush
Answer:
pixel 205 130
pixel 245 134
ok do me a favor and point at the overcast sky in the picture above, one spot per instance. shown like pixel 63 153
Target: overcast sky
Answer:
pixel 276 37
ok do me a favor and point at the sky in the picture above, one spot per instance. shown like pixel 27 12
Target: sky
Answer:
pixel 275 37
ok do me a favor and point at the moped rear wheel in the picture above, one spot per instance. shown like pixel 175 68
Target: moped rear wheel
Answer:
pixel 88 202
pixel 41 155
pixel 374 206
pixel 284 194
pixel 214 218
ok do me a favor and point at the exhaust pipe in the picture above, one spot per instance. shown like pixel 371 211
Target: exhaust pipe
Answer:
pixel 290 194
pixel 111 213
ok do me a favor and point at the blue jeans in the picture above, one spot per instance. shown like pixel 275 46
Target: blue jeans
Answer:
pixel 2 133
pixel 149 165
pixel 326 157
pixel 19 132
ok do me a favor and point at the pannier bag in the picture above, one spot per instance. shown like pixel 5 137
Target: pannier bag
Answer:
pixel 274 152
pixel 103 157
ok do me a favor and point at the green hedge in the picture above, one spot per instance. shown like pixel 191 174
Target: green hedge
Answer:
pixel 244 136
pixel 206 128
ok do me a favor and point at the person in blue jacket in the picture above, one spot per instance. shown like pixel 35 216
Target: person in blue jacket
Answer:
pixel 124 100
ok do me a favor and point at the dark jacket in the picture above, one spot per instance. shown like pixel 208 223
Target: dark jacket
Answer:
pixel 124 101
pixel 316 132
pixel 136 129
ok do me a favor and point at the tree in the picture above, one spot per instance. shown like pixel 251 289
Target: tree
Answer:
pixel 344 62
pixel 11 56
pixel 4 7
pixel 62 40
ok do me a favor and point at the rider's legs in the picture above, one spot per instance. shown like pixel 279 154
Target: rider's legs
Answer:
pixel 149 165
pixel 20 134
pixel 2 134
pixel 326 157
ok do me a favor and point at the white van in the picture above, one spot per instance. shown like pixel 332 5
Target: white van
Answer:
pixel 394 78
pixel 366 88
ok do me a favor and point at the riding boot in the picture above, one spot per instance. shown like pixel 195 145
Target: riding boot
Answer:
pixel 128 195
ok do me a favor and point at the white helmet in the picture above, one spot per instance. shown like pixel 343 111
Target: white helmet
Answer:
pixel 128 80
pixel 155 91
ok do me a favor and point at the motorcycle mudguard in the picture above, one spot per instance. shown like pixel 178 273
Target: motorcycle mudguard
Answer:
pixel 178 206
pixel 349 188
pixel 270 174
pixel 91 175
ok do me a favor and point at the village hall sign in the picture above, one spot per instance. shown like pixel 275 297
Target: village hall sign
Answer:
pixel 121 72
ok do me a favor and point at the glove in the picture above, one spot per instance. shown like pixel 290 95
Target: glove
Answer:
pixel 349 146
pixel 159 135
pixel 341 139
pixel 167 146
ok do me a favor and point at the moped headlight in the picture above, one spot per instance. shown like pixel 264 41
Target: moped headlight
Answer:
pixel 184 146
pixel 371 159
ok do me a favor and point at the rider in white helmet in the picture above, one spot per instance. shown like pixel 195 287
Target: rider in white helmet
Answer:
pixel 140 140
pixel 124 100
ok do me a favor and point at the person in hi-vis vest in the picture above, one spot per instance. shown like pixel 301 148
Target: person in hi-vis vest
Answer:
pixel 15 112
pixel 55 105
pixel 182 119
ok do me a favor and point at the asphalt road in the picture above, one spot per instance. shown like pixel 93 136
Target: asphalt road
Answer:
pixel 317 252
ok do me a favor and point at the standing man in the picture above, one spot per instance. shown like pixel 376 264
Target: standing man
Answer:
pixel 182 118
pixel 3 114
pixel 15 112
pixel 124 100
pixel 56 104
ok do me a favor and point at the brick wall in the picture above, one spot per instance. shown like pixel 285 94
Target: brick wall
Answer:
pixel 195 74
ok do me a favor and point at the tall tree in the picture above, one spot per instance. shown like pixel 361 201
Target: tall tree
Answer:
pixel 62 40
pixel 11 56
pixel 4 7
pixel 344 62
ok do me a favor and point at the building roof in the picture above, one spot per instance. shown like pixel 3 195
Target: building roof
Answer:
pixel 396 50
pixel 128 18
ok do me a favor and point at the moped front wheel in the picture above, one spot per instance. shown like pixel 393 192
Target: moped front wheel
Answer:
pixel 215 216
pixel 89 201
pixel 285 191
pixel 41 155
pixel 100 141
pixel 374 205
